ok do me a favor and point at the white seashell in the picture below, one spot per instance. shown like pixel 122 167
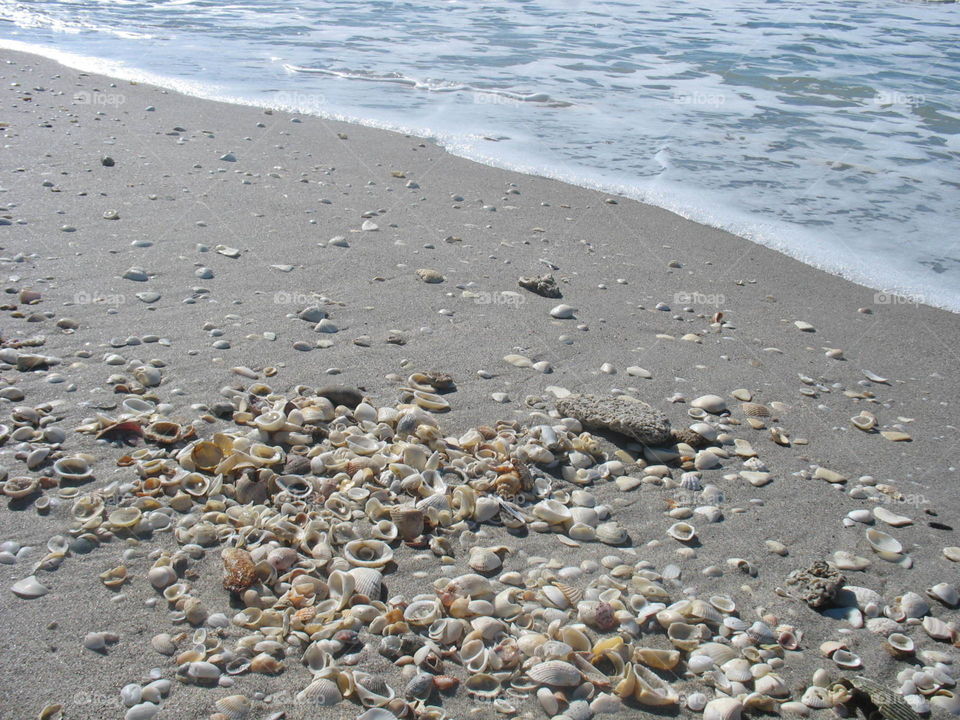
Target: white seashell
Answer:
pixel 557 673
pixel 367 553
pixel 817 698
pixel 886 546
pixel 423 612
pixel 911 605
pixel 29 588
pixel 771 685
pixel 682 532
pixel 696 702
pixel 142 711
pixel 891 518
pixel 611 533
pixel 938 629
pixel 945 593
pixel 323 691
pixel 846 659
pixel 367 581
pixel 699 664
pixel 723 708
pixel 484 560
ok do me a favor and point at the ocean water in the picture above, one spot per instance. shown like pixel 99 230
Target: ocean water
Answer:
pixel 827 129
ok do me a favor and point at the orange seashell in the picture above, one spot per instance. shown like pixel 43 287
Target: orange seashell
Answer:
pixel 445 682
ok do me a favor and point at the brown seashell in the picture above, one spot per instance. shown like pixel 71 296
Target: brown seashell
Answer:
pixel 239 570
pixel 409 521
pixel 445 682
pixel 164 432
pixel 266 664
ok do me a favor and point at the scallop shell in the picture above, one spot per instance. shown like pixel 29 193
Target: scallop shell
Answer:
pixel 723 708
pixel 372 690
pixel 409 521
pixel 752 409
pixel 556 673
pixel 367 553
pixel 322 691
pixel 368 581
pixel 234 707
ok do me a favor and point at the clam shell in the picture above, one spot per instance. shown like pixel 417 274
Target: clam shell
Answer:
pixel 656 658
pixel 323 692
pixel 682 532
pixel 611 533
pixel 882 543
pixel 72 469
pixel 556 673
pixel 409 521
pixel 125 517
pixel 483 685
pixel 484 560
pixel 945 593
pixel 423 612
pixel 29 588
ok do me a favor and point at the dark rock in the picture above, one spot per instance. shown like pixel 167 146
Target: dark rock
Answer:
pixel 341 395
pixel 543 285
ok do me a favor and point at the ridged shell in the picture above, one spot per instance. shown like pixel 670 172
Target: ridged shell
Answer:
pixel 752 409
pixel 234 707
pixel 557 673
pixel 368 581
pixel 409 521
pixel 890 704
pixel 322 691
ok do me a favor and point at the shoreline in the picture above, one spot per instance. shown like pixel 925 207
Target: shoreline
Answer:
pixel 125 258
pixel 780 239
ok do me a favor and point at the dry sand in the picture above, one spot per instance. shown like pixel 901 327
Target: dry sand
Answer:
pixel 295 184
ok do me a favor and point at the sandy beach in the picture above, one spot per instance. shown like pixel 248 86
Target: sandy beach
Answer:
pixel 140 228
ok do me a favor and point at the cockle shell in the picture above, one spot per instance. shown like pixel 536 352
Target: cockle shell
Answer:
pixel 682 532
pixel 409 521
pixel 72 469
pixel 611 533
pixel 234 707
pixel 483 685
pixel 557 673
pixel 368 581
pixel 723 708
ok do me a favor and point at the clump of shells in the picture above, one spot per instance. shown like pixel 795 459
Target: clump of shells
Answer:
pixel 313 503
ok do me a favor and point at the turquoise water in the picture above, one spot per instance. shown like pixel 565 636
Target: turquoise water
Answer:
pixel 827 129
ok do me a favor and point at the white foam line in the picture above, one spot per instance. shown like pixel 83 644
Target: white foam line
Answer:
pixel 776 237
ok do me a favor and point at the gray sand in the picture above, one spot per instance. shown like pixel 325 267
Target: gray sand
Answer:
pixel 296 185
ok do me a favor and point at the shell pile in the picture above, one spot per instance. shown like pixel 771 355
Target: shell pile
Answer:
pixel 313 505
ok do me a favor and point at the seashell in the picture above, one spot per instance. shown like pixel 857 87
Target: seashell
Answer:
pixel 164 432
pixel 409 521
pixel 205 456
pixel 682 532
pixel 771 685
pixel 368 581
pixel 265 664
pixel 817 698
pixel 552 512
pixel 557 673
pixel 938 629
pixel 656 658
pixel 737 670
pixel 611 533
pixel 945 593
pixel 379 713
pixel 423 612
pixel 125 517
pixel 323 691
pixel 233 707
pixel 163 644
pixel 367 553
pixel 485 560
pixel 51 712
pixel 723 708
pixel 683 636
pixel 945 700
pixel 752 409
pixel 899 645
pixel 696 702
pixel 29 588
pixel 911 605
pixel 699 664
pixel 239 570
pixel 864 421
pixel 372 690
pixel 72 469
pixel 21 487
pixel 483 685
pixel 886 546
pixel 195 484
pixel 648 688
pixel 114 577
pixel 420 686
pixel 846 659
pixel 891 518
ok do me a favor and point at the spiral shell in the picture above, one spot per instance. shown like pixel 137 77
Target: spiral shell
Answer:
pixel 367 553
